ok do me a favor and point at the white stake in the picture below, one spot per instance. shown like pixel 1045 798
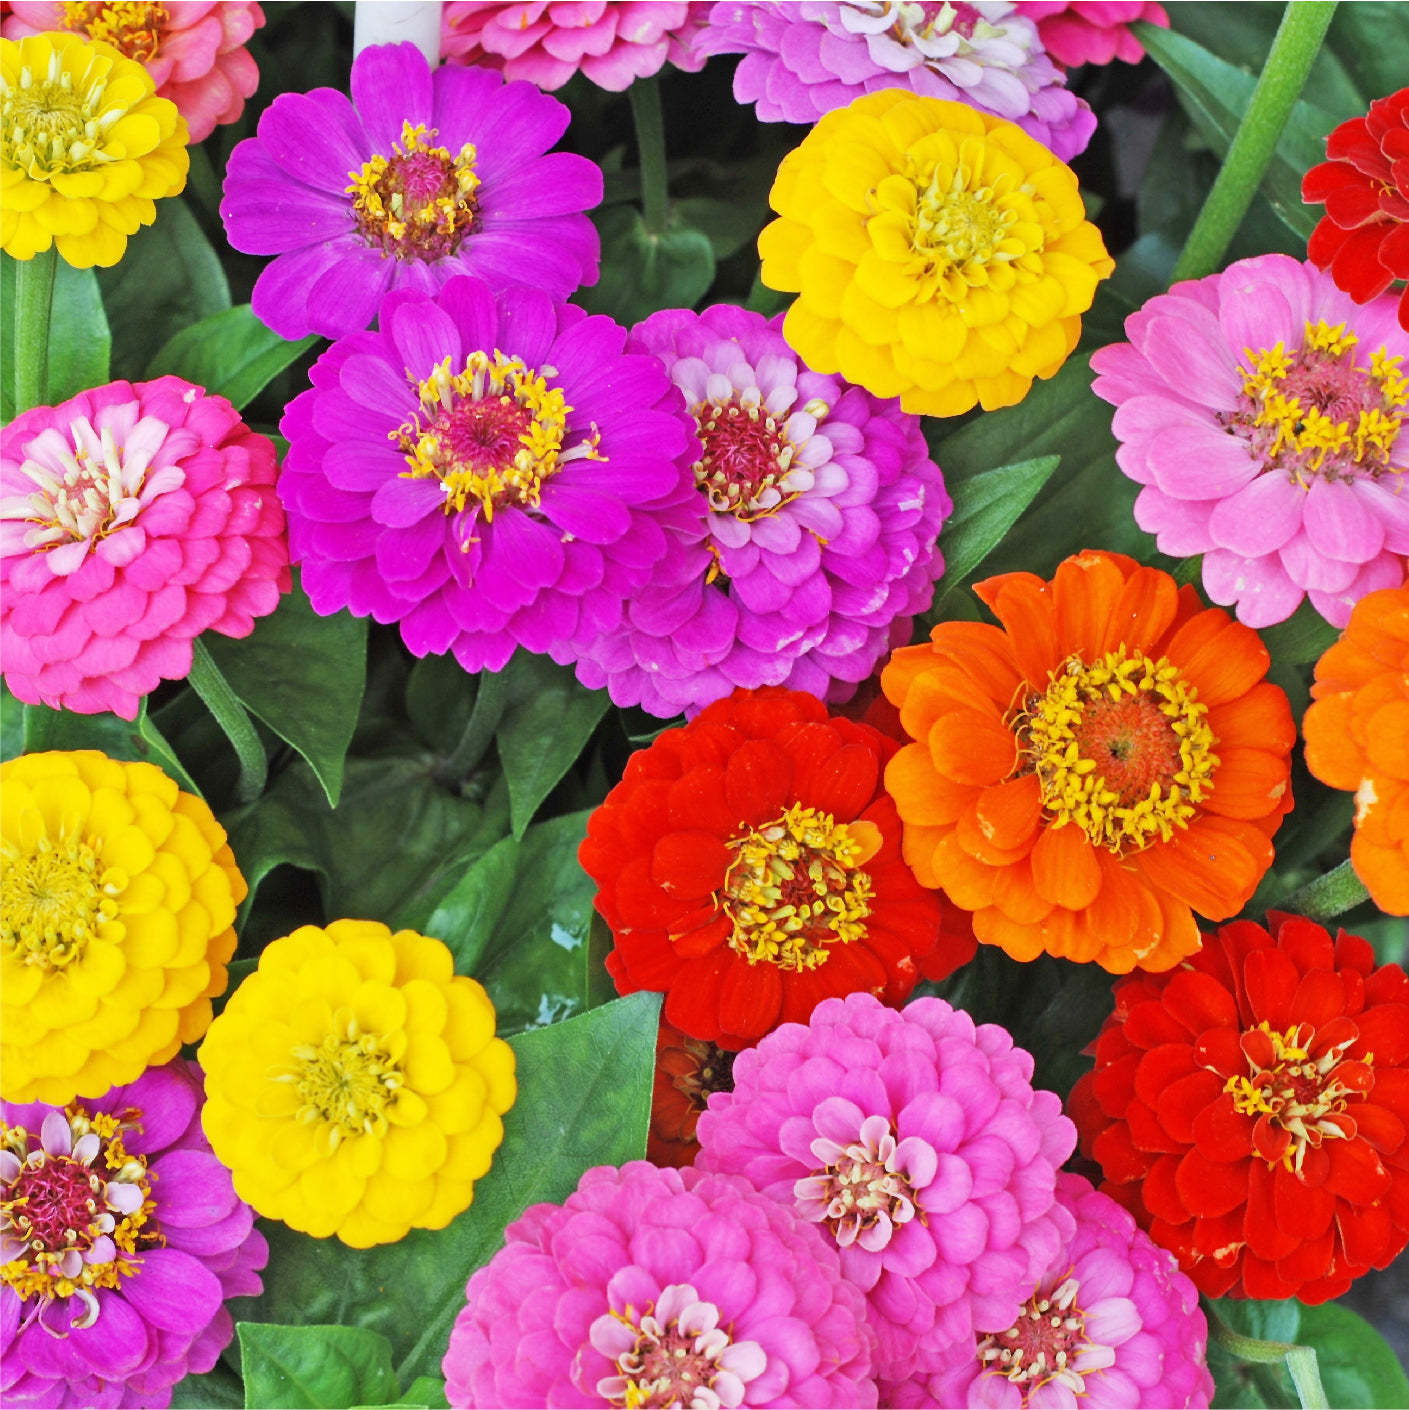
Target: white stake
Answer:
pixel 391 21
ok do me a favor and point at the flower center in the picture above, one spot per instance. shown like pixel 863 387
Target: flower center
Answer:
pixel 1320 411
pixel 1043 1344
pixel 1299 1086
pixel 1122 748
pixel 744 467
pixel 53 122
pixel 418 203
pixel 55 899
pixel 862 1191
pixel 938 29
pixel 795 887
pixel 350 1081
pixel 712 1071
pixel 132 26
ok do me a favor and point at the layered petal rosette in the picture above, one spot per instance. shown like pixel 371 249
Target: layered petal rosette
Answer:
pixel 486 472
pixel 419 177
pixel 1092 31
pixel 661 1287
pixel 688 1072
pixel 132 518
pixel 122 1239
pixel 916 1143
pixel 812 544
pixel 1262 411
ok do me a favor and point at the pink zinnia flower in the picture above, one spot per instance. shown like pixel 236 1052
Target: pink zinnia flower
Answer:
pixel 1092 31
pixel 132 518
pixel 1261 409
pixel 916 1141
pixel 661 1287
pixel 547 41
pixel 193 49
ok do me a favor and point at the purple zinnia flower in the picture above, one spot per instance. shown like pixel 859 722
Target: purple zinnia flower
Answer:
pixel 488 472
pixel 420 177
pixel 143 1239
pixel 917 1142
pixel 1111 1322
pixel 661 1287
pixel 811 544
pixel 802 58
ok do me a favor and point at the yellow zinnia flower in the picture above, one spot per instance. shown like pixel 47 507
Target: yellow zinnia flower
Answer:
pixel 119 896
pixel 86 147
pixel 354 1084
pixel 940 255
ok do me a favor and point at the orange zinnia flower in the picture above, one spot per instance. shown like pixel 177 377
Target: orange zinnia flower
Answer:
pixel 688 1072
pixel 1357 737
pixel 1087 776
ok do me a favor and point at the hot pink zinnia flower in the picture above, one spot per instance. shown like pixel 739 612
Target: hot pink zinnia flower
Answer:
pixel 1262 409
pixel 132 518
pixel 1092 31
pixel 193 49
pixel 917 1142
pixel 547 41
pixel 1111 1322
pixel 661 1287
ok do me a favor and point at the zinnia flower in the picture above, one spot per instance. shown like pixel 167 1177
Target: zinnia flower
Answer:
pixel 122 1239
pixel 421 176
pixel 119 896
pixel 1092 772
pixel 1112 1322
pixel 547 41
pixel 916 1142
pixel 1092 31
pixel 110 149
pixel 132 518
pixel 1357 738
pixel 1250 1110
pixel 1261 411
pixel 812 539
pixel 356 1085
pixel 660 1287
pixel 688 1072
pixel 193 49
pixel 1362 241
pixel 749 866
pixel 940 254
pixel 803 58
pixel 486 473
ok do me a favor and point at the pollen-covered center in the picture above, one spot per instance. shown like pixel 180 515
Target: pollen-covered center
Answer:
pixel 711 1070
pixel 52 121
pixel 352 1081
pixel 795 887
pixel 134 27
pixel 54 898
pixel 864 1190
pixel 1121 747
pixel 746 457
pixel 1044 1344
pixel 419 202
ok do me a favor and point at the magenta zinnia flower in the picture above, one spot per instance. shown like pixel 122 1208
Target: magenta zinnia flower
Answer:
pixel 132 518
pixel 547 41
pixel 812 539
pixel 122 1237
pixel 802 58
pixel 918 1143
pixel 661 1287
pixel 420 177
pixel 1261 409
pixel 488 473
pixel 1111 1322
pixel 1092 31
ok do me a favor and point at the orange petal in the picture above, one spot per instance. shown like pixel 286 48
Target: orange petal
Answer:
pixel 917 846
pixel 1008 814
pixel 1221 658
pixel 1143 612
pixel 983 653
pixel 1247 783
pixel 906 663
pixel 978 842
pixel 1385 872
pixel 1085 590
pixel 1064 867
pixel 1024 606
pixel 1261 719
pixel 922 794
pixel 1019 940
pixel 966 881
pixel 1214 866
pixel 972 748
pixel 932 695
pixel 1016 896
pixel 1387 739
pixel 1125 922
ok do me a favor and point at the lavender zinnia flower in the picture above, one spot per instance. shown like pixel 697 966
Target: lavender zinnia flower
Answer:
pixel 485 472
pixel 811 544
pixel 420 177
pixel 917 1142
pixel 122 1239
pixel 802 58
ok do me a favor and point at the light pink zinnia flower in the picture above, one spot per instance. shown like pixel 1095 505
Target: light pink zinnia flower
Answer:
pixel 1092 31
pixel 547 41
pixel 132 518
pixel 916 1141
pixel 1261 409
pixel 193 49
pixel 661 1287
pixel 1111 1322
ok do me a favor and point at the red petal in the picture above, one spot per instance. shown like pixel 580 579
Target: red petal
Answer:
pixel 1220 1050
pixel 691 944
pixel 1320 997
pixel 843 782
pixel 1266 1239
pixel 1271 980
pixel 1184 1101
pixel 1208 1188
pixel 1384 1031
pixel 1357 1173
pixel 692 1004
pixel 1325 242
pixel 1351 205
pixel 690 865
pixel 1308 945
pixel 1161 1193
pixel 641 904
pixel 1116 1154
pixel 1200 1002
pixel 1310 1262
pixel 1368 1235
pixel 1151 1024
pixel 1221 1132
pixel 1357 268
pixel 750 999
pixel 1269 1140
pixel 1302 1211
pixel 758 782
pixel 1328 177
pixel 1352 142
pixel 1147 1129
pixel 1262 1280
pixel 1161 1066
pixel 698 801
pixel 1114 1086
pixel 1379 1126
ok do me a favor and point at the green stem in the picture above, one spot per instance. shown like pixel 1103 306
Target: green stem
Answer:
pixel 1289 61
pixel 34 299
pixel 1299 1360
pixel 491 698
pixel 1333 894
pixel 210 684
pixel 650 149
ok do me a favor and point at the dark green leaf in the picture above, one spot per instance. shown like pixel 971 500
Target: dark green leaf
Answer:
pixel 162 754
pixel 7 338
pixel 79 342
pixel 1301 638
pixel 1357 1366
pixel 1371 38
pixel 133 741
pixel 730 225
pixel 218 1389
pixel 642 271
pixel 291 1367
pixel 440 694
pixel 428 1391
pixel 11 725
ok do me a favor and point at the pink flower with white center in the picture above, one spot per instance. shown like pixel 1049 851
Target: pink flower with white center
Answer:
pixel 1262 410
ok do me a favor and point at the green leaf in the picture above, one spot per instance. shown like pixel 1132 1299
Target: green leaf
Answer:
pixel 162 754
pixel 303 675
pixel 230 353
pixel 11 725
pixel 440 694
pixel 133 741
pixel 1357 1365
pixel 1302 638
pixel 218 1389
pixel 1371 39
pixel 729 225
pixel 426 1391
pixel 298 1366
pixel 643 272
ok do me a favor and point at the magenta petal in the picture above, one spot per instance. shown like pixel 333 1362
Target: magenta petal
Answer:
pixel 1340 523
pixel 174 1291
pixel 1260 517
pixel 1200 462
pixel 1191 363
pixel 401 502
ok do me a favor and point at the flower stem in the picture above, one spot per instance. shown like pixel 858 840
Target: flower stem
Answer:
pixel 34 299
pixel 1338 891
pixel 1289 61
pixel 491 697
pixel 1300 1360
pixel 650 149
pixel 210 684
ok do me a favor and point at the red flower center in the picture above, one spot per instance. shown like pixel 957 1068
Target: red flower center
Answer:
pixel 1133 744
pixel 131 26
pixel 1042 1345
pixel 481 436
pixel 58 1198
pixel 745 459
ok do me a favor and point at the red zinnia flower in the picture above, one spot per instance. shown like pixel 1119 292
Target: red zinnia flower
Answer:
pixel 749 866
pixel 688 1072
pixel 1250 1110
pixel 1362 241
